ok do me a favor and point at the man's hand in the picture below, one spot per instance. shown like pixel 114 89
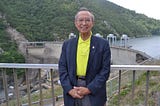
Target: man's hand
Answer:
pixel 74 94
pixel 82 91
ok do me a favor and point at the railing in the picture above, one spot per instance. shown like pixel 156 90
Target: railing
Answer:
pixel 120 68
pixel 134 69
pixel 26 67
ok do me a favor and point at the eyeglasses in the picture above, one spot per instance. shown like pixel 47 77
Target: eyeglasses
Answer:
pixel 86 20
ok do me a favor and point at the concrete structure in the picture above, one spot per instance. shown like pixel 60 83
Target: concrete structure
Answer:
pixel 98 34
pixel 50 53
pixel 127 56
pixel 72 35
pixel 124 40
pixel 45 52
pixel 112 39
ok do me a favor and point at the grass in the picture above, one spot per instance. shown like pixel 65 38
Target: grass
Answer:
pixel 126 98
pixel 47 94
pixel 139 93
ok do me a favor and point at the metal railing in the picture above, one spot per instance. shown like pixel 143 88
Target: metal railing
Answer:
pixel 120 68
pixel 134 69
pixel 26 67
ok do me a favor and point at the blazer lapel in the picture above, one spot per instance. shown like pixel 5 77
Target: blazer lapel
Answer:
pixel 74 54
pixel 91 54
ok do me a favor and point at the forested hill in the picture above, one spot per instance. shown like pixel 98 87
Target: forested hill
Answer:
pixel 42 20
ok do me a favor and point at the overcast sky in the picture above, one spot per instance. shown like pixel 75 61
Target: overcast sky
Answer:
pixel 150 8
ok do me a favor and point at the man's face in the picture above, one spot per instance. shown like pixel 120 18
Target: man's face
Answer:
pixel 84 22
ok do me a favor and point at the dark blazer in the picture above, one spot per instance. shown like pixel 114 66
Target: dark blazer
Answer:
pixel 98 70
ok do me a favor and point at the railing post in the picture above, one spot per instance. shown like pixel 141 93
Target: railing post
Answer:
pixel 40 87
pixel 28 87
pixel 5 86
pixel 147 87
pixel 52 83
pixel 111 88
pixel 133 86
pixel 119 88
pixel 16 87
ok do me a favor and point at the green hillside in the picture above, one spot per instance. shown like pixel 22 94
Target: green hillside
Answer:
pixel 8 48
pixel 42 20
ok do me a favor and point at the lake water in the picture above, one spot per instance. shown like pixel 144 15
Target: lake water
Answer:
pixel 149 45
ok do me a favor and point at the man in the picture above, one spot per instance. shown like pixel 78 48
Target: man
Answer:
pixel 84 65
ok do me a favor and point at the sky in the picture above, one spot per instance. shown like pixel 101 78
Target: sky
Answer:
pixel 148 7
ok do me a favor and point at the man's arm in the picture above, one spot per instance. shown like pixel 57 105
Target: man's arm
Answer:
pixel 104 72
pixel 63 71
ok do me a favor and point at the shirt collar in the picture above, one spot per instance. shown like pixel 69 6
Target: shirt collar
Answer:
pixel 82 41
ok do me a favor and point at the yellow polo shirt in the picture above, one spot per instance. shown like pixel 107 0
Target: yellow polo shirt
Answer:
pixel 82 55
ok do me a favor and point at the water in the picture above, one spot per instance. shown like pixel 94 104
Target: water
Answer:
pixel 149 45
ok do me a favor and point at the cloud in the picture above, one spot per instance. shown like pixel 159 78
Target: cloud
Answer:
pixel 147 7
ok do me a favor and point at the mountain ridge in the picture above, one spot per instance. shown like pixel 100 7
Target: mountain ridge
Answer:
pixel 43 20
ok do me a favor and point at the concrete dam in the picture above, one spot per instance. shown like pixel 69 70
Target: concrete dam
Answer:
pixel 49 52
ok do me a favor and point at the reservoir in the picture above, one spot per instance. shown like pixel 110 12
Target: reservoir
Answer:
pixel 149 45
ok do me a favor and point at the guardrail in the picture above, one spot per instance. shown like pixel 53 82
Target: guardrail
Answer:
pixel 120 68
pixel 26 67
pixel 134 69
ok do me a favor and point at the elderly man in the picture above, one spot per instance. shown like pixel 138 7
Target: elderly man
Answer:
pixel 84 65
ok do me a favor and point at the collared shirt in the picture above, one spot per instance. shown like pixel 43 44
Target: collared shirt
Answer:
pixel 83 55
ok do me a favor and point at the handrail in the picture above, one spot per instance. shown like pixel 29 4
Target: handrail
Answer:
pixel 23 65
pixel 136 67
pixel 52 67
pixel 55 66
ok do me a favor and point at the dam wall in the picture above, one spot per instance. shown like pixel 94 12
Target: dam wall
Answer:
pixel 49 52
